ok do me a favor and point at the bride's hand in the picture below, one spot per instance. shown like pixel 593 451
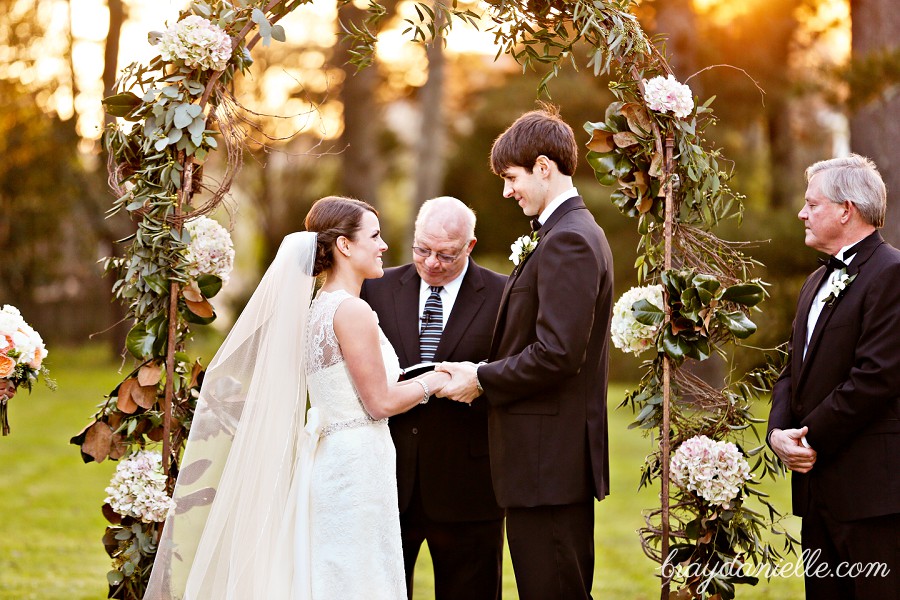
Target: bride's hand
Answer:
pixel 439 380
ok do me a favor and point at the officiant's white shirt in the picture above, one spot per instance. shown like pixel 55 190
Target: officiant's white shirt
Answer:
pixel 448 294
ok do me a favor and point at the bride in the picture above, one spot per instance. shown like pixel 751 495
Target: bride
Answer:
pixel 272 501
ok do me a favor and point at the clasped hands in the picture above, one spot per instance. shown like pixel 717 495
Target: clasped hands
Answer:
pixel 791 447
pixel 463 386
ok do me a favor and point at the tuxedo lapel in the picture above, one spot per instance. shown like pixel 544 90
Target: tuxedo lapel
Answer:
pixel 408 304
pixel 465 308
pixel 866 248
pixel 574 203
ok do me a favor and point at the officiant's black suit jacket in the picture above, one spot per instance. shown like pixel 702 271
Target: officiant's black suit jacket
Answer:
pixel 847 390
pixel 546 382
pixel 445 442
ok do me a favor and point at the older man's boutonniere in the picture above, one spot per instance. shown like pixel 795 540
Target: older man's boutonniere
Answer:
pixel 522 247
pixel 837 284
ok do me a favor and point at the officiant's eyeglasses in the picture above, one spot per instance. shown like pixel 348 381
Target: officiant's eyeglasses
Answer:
pixel 444 258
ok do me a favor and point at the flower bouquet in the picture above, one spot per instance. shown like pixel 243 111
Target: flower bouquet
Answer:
pixel 22 353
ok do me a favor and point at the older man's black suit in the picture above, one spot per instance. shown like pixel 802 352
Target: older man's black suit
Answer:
pixel 443 468
pixel 546 386
pixel 847 391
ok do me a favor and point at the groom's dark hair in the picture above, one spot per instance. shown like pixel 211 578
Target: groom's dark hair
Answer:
pixel 536 133
pixel 332 217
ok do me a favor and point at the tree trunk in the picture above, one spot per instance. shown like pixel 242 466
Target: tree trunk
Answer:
pixel 875 128
pixel 430 145
pixel 361 172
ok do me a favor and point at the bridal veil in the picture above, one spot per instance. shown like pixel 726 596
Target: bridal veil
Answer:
pixel 235 533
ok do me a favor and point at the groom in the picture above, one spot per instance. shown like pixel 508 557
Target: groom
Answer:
pixel 547 375
pixel 835 418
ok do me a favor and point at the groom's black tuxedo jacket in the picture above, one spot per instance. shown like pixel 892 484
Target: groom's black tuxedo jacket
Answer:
pixel 847 389
pixel 546 382
pixel 444 442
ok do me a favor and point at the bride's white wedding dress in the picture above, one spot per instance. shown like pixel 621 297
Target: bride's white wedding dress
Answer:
pixel 354 542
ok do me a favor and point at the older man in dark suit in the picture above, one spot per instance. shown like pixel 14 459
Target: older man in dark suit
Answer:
pixel 443 307
pixel 547 376
pixel 835 418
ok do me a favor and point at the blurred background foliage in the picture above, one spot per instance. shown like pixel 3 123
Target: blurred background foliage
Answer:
pixel 795 81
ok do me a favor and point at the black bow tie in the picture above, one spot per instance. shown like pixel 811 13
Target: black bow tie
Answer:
pixel 832 263
pixel 535 224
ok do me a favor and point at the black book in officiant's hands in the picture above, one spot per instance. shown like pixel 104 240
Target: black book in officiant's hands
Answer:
pixel 416 370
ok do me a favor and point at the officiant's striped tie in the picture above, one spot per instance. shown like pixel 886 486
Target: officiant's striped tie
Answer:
pixel 432 325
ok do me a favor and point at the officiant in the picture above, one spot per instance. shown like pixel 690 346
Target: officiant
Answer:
pixel 442 306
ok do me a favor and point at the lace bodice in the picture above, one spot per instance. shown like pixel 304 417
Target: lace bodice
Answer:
pixel 331 389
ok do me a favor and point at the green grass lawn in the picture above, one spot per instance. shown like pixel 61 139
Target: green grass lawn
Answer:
pixel 51 525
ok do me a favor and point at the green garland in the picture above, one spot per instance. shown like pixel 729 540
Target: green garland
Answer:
pixel 176 113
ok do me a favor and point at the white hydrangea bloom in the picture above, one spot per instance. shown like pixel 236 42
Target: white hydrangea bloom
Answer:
pixel 197 42
pixel 138 488
pixel 715 471
pixel 211 251
pixel 628 334
pixel 666 94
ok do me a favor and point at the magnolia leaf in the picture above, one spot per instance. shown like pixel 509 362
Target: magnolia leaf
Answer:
pixel 196 372
pixel 157 283
pixel 625 139
pixel 191 291
pixel 111 515
pixel 641 181
pixel 638 119
pixel 156 434
pixel 209 285
pixel 644 205
pixel 737 323
pixel 601 141
pixel 96 441
pixel 604 165
pixel 202 309
pixel 150 374
pixel 647 313
pixel 125 402
pixel 745 294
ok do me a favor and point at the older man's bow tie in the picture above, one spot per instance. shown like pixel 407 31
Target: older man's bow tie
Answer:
pixel 535 224
pixel 832 263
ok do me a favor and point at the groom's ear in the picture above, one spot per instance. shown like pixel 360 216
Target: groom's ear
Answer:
pixel 544 166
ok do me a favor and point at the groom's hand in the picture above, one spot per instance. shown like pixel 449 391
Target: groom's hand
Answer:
pixel 463 385
pixel 789 445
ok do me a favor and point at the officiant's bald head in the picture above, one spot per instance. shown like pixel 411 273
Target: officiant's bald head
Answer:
pixel 444 237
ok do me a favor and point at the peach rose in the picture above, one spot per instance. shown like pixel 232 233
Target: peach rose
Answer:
pixel 7 366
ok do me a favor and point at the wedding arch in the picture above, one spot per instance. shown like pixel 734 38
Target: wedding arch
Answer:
pixel 696 297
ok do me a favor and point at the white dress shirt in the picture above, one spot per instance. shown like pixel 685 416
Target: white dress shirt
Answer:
pixel 554 204
pixel 448 294
pixel 819 301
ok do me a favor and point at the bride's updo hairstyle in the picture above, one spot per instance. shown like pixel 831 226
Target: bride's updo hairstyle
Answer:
pixel 330 218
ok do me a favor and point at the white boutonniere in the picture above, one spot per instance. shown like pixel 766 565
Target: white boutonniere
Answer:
pixel 522 247
pixel 837 284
